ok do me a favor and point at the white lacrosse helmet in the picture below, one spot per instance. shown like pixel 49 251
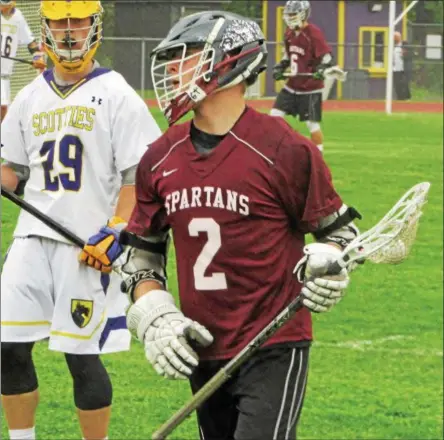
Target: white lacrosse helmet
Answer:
pixel 296 13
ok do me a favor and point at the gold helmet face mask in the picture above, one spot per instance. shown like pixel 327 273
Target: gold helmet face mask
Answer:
pixel 7 5
pixel 67 51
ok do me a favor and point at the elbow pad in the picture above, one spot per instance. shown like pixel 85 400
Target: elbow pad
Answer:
pixel 144 259
pixel 338 227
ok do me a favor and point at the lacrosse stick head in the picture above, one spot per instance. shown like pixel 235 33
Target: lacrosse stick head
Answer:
pixel 335 72
pixel 406 214
pixel 390 241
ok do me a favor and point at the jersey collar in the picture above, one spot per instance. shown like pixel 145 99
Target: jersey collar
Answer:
pixel 48 75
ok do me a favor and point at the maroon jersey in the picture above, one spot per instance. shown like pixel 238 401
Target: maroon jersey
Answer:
pixel 305 50
pixel 238 216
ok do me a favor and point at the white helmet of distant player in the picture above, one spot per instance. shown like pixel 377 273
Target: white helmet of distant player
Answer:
pixel 60 51
pixel 296 13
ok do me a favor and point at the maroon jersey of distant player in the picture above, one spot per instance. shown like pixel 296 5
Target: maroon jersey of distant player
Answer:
pixel 238 216
pixel 305 50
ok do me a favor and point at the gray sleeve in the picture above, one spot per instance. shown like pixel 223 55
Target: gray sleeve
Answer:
pixel 129 176
pixel 22 171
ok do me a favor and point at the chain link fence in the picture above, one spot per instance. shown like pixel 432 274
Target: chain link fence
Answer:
pixel 131 57
pixel 132 28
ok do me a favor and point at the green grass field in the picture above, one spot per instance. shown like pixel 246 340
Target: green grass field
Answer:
pixel 376 369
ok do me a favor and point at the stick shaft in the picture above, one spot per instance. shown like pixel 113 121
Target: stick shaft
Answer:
pixel 289 75
pixel 19 60
pixel 43 218
pixel 226 372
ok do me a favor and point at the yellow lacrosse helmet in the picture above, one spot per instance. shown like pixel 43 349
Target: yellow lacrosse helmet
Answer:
pixel 59 40
pixel 7 5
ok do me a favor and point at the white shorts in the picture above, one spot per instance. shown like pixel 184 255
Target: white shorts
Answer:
pixel 46 292
pixel 5 91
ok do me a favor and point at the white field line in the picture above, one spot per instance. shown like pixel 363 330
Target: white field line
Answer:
pixel 378 345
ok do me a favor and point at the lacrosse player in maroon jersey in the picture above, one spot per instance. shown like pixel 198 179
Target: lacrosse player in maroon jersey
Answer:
pixel 239 190
pixel 306 52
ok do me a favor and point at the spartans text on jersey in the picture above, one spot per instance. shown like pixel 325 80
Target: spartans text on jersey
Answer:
pixel 208 196
pixel 297 49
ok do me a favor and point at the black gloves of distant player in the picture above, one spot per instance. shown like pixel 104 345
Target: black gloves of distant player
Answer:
pixel 319 74
pixel 280 68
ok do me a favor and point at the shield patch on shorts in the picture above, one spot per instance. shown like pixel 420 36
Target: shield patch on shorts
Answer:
pixel 81 311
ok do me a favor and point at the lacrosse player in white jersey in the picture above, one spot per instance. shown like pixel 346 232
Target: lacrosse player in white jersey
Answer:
pixel 14 32
pixel 71 140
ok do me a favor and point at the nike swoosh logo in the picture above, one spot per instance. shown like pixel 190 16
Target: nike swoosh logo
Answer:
pixel 167 173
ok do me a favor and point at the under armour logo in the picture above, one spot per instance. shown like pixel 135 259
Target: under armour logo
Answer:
pixel 99 100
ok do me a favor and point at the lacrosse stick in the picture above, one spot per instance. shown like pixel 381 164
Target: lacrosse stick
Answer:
pixel 334 72
pixel 19 60
pixel 60 229
pixel 389 242
pixel 43 218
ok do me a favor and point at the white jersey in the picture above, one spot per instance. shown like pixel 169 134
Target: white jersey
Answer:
pixel 76 143
pixel 15 31
pixel 398 60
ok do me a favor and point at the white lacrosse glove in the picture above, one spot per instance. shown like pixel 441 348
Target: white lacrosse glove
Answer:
pixel 166 332
pixel 320 291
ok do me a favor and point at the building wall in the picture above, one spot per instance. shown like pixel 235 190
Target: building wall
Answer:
pixel 325 15
pixel 356 16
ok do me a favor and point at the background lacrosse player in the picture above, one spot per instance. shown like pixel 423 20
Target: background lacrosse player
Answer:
pixel 14 32
pixel 239 190
pixel 306 51
pixel 72 138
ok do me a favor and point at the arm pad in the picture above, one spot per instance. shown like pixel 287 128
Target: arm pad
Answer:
pixel 325 62
pixel 338 227
pixel 144 259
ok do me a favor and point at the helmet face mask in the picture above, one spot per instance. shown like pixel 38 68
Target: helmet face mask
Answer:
pixel 296 13
pixel 71 33
pixel 177 71
pixel 202 54
pixel 7 5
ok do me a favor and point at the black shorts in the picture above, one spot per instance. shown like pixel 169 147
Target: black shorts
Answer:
pixel 307 107
pixel 262 401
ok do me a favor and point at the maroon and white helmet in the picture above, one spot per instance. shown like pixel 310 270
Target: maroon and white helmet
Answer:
pixel 225 49
pixel 296 13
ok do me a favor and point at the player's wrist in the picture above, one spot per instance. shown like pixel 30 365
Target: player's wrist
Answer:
pixel 117 223
pixel 147 309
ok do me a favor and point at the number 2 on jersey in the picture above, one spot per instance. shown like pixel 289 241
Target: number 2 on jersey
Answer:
pixel 217 280
pixel 66 157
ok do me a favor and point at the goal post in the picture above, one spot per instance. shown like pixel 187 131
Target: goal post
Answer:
pixel 393 21
pixel 23 74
